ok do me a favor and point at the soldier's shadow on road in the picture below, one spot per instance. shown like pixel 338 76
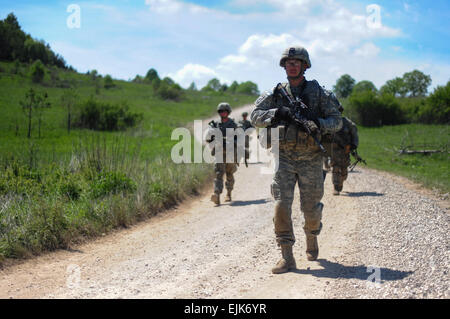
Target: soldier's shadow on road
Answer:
pixel 361 194
pixel 249 202
pixel 335 270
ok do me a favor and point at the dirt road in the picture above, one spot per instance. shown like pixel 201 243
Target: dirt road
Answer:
pixel 383 237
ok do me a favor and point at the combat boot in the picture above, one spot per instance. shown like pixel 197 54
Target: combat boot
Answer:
pixel 337 189
pixel 215 198
pixel 312 247
pixel 287 261
pixel 228 196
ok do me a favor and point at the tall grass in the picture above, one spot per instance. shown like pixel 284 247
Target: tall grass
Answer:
pixel 63 187
pixel 104 186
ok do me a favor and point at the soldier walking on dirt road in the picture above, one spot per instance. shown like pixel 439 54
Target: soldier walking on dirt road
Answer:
pixel 227 168
pixel 300 157
pixel 339 146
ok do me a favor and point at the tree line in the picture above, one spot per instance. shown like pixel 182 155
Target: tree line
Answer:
pixel 16 45
pixel 400 100
pixel 167 88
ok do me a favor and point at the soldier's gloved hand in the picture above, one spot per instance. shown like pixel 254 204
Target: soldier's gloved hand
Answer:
pixel 313 126
pixel 283 113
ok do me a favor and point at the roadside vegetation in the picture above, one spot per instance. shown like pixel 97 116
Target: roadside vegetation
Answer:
pixel 82 154
pixel 403 128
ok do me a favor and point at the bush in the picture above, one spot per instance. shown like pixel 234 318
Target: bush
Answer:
pixel 108 82
pixel 437 107
pixel 169 91
pixel 37 72
pixel 369 109
pixel 95 115
pixel 248 88
pixel 112 183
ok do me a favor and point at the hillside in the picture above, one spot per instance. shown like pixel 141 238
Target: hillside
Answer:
pixel 86 182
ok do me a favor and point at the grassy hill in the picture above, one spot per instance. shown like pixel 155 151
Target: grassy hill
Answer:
pixel 61 187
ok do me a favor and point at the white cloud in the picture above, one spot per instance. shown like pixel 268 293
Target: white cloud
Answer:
pixel 204 43
pixel 367 50
pixel 197 73
pixel 173 6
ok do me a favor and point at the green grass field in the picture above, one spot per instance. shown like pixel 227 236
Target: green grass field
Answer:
pixel 61 188
pixel 380 148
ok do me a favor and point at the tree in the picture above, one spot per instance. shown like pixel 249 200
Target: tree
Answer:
pixel 344 86
pixel 192 87
pixel 437 106
pixel 395 87
pixel 68 100
pixel 169 91
pixel 37 72
pixel 248 88
pixel 168 80
pixel 138 79
pixel 223 88
pixel 16 44
pixel 33 103
pixel 416 83
pixel 41 105
pixel 214 84
pixel 233 87
pixel 371 109
pixel 151 75
pixel 94 75
pixel 108 82
pixel 364 86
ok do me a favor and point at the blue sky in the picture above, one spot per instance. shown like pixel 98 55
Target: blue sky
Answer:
pixel 241 40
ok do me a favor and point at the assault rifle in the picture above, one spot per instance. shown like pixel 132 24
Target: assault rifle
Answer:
pixel 358 159
pixel 299 118
pixel 213 124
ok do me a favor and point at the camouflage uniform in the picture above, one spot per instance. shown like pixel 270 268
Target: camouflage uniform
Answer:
pixel 338 147
pixel 227 169
pixel 246 124
pixel 300 159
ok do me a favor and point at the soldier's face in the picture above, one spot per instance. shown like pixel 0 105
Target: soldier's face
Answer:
pixel 293 67
pixel 223 114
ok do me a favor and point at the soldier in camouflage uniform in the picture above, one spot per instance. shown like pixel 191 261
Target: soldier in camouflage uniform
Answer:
pixel 246 124
pixel 300 158
pixel 224 168
pixel 338 148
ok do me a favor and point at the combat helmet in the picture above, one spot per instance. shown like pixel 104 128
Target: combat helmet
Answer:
pixel 298 53
pixel 224 107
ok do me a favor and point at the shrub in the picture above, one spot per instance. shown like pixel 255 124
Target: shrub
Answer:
pixel 437 107
pixel 169 91
pixel 248 88
pixel 95 115
pixel 108 82
pixel 112 183
pixel 37 72
pixel 369 109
